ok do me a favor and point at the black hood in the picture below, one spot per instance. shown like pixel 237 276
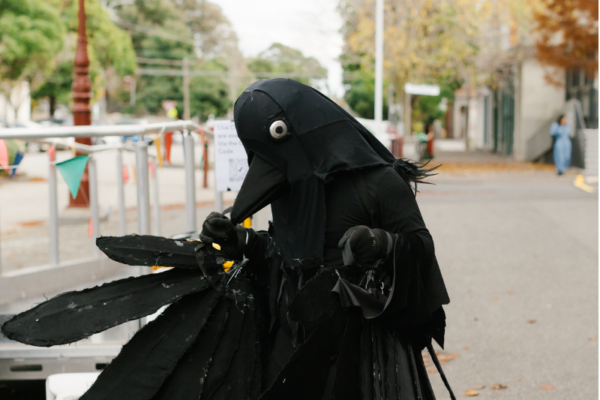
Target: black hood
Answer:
pixel 303 137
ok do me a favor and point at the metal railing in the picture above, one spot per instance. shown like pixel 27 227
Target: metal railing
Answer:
pixel 54 135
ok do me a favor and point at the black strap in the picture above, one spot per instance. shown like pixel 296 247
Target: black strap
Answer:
pixel 439 368
pixel 361 186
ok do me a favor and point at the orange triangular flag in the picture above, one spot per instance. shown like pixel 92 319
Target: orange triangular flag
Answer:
pixel 158 153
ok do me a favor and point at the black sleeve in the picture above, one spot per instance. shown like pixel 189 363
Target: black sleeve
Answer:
pixel 418 289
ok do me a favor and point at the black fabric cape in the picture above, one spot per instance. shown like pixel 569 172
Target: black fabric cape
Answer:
pixel 215 338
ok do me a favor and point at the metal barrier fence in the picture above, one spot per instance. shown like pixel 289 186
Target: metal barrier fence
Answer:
pixel 140 148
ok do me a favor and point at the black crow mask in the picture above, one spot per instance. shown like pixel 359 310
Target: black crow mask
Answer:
pixel 295 138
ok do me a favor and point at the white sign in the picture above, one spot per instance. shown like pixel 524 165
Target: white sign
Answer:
pixel 423 90
pixel 231 161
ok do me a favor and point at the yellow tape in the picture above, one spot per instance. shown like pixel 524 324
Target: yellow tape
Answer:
pixel 580 183
pixel 227 265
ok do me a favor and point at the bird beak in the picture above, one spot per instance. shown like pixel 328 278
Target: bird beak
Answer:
pixel 263 184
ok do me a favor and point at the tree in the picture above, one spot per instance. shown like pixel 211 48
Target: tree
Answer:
pixel 109 48
pixel 196 29
pixel 31 33
pixel 289 62
pixel 426 41
pixel 568 35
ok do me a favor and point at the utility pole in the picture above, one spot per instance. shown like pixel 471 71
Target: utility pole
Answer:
pixel 379 61
pixel 186 88
pixel 82 93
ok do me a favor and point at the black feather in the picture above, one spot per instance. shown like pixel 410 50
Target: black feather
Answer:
pixel 414 171
pixel 150 251
pixel 73 316
pixel 148 359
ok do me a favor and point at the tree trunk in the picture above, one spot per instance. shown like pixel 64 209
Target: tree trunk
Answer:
pixel 52 100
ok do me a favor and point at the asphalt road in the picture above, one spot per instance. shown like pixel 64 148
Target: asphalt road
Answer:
pixel 519 254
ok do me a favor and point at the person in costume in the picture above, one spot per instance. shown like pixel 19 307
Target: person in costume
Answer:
pixel 336 301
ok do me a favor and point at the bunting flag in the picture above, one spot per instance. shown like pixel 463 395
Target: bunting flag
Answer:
pixel 71 171
pixel 16 162
pixel 151 170
pixel 168 143
pixel 52 153
pixel 158 153
pixel 203 144
pixel 3 154
pixel 91 228
pixel 125 174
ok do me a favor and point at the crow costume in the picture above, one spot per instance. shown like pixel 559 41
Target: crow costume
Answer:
pixel 336 301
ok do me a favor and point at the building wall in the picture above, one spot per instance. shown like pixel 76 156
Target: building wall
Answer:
pixel 536 102
pixel 23 114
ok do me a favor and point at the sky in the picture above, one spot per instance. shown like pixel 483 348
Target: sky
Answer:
pixel 311 26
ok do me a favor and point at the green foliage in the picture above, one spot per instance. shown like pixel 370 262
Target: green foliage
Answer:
pixel 288 62
pixel 31 34
pixel 361 94
pixel 109 47
pixel 163 29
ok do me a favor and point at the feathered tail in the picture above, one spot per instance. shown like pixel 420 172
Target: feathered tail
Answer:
pixel 414 171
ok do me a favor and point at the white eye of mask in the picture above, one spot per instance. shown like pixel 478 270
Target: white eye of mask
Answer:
pixel 278 129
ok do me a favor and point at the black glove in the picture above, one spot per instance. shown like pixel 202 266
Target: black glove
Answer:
pixel 219 229
pixel 365 247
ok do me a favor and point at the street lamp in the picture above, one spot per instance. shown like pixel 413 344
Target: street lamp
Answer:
pixel 82 93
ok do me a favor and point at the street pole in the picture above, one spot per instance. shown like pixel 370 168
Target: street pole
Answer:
pixel 82 93
pixel 186 89
pixel 379 61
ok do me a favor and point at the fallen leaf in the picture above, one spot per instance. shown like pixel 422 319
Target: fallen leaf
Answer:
pixel 495 297
pixel 548 387
pixel 11 254
pixel 512 292
pixel 432 371
pixel 476 319
pixel 471 393
pixel 426 362
pixel 465 348
pixel 447 357
pixel 498 386
pixel 478 387
pixel 592 339
pixel 532 321
pixel 519 380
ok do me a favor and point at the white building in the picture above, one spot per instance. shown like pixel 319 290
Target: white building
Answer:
pixel 514 117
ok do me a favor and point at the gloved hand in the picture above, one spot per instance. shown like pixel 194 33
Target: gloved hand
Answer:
pixel 219 229
pixel 365 247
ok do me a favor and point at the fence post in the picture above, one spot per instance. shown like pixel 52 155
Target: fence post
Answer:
pixel 121 194
pixel 92 171
pixel 53 208
pixel 143 194
pixel 156 204
pixel 190 181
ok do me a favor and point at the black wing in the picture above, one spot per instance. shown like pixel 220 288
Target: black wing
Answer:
pixel 149 251
pixel 73 316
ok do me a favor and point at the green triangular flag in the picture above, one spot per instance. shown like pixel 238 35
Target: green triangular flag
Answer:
pixel 71 171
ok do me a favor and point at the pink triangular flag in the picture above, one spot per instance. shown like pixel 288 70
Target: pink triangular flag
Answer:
pixel 52 153
pixel 3 154
pixel 125 174
pixel 151 169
